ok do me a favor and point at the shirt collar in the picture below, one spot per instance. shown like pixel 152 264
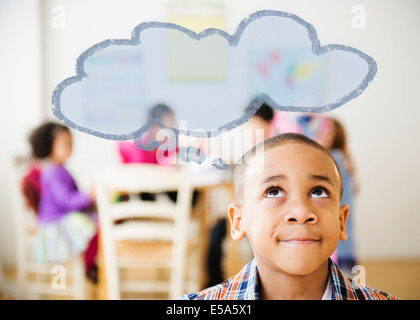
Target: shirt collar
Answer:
pixel 327 294
pixel 338 287
pixel 342 288
pixel 252 291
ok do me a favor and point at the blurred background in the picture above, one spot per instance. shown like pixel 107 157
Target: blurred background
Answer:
pixel 41 40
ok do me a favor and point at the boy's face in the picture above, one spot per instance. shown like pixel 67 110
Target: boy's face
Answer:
pixel 291 211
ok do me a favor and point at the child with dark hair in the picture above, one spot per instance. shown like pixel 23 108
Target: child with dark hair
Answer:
pixel 64 229
pixel 131 153
pixel 261 120
pixel 288 191
pixel 334 138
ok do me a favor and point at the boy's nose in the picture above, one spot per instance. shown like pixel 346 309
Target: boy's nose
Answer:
pixel 300 213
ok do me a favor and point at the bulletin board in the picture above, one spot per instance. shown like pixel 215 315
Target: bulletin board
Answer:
pixel 292 75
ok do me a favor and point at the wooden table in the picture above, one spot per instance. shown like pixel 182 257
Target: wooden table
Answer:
pixel 208 218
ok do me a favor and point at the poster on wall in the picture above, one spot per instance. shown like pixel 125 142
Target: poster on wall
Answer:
pixel 116 90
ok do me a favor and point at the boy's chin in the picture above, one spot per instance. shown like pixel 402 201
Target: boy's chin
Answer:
pixel 302 266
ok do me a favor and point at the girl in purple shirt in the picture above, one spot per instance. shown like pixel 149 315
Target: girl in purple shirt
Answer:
pixel 63 228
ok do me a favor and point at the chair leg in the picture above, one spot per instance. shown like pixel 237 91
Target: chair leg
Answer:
pixel 2 281
pixel 79 283
pixel 20 281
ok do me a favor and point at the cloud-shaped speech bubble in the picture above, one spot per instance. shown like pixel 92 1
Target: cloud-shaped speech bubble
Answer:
pixel 208 78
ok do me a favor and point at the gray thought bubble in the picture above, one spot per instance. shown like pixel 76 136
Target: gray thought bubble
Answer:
pixel 117 109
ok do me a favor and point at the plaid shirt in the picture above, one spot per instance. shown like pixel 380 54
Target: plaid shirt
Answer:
pixel 245 286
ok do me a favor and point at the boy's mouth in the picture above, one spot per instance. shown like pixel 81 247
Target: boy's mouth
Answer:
pixel 302 241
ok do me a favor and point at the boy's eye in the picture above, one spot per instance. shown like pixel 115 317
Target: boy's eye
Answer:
pixel 319 193
pixel 275 193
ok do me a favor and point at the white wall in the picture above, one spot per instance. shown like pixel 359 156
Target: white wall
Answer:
pixel 381 123
pixel 20 98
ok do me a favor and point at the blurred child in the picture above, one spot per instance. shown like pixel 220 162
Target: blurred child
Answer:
pixel 131 153
pixel 335 140
pixel 64 229
pixel 261 120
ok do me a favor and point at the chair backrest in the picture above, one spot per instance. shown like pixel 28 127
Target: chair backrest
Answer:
pixel 25 221
pixel 144 221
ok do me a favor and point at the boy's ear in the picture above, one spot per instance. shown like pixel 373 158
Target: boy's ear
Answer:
pixel 344 213
pixel 237 231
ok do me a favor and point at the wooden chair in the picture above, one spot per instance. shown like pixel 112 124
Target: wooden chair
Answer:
pixel 3 283
pixel 37 280
pixel 158 231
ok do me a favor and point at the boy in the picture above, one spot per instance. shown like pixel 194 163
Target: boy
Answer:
pixel 290 211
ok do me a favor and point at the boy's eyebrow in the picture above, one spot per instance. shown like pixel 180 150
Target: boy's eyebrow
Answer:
pixel 322 178
pixel 282 177
pixel 270 179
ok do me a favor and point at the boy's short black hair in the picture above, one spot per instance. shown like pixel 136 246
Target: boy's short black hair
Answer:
pixel 240 168
pixel 41 139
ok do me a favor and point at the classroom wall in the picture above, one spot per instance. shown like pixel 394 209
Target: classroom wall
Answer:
pixel 381 123
pixel 20 98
